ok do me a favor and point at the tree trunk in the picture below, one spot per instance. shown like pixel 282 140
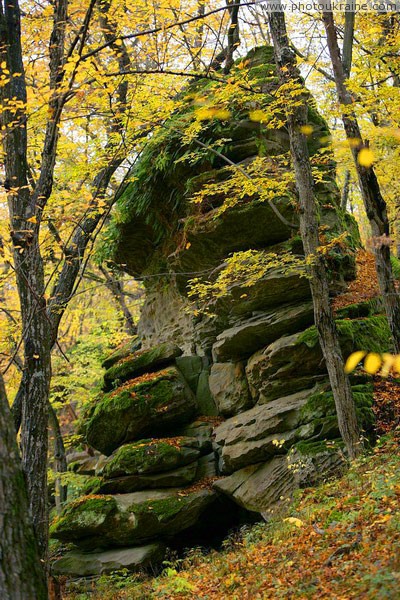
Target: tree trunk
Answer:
pixel 116 289
pixel 21 573
pixel 346 190
pixel 324 321
pixel 374 203
pixel 28 264
pixel 60 459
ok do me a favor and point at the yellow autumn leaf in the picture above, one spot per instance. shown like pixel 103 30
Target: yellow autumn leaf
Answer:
pixel 3 65
pixel 294 521
pixel 258 116
pixel 383 519
pixel 222 113
pixel 203 113
pixel 366 157
pixel 353 360
pixel 32 219
pixel 388 361
pixel 372 363
pixel 396 364
pixel 307 129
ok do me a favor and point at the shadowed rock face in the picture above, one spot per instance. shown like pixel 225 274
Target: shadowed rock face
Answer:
pixel 100 563
pixel 252 358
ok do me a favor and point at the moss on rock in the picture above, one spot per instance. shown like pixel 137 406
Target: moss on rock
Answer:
pixel 153 403
pixel 320 411
pixel 370 334
pixel 129 519
pixel 140 362
pixel 151 456
pixel 85 516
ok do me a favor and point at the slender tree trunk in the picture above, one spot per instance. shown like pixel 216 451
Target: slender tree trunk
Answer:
pixel 324 321
pixel 374 203
pixel 60 459
pixel 21 573
pixel 345 191
pixel 115 287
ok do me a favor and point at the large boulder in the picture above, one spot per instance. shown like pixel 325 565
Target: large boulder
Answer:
pixel 253 435
pixel 269 429
pixel 274 371
pixel 180 477
pixel 142 361
pixel 228 385
pixel 84 564
pixel 260 487
pixel 151 456
pixel 151 464
pixel 275 288
pixel 268 487
pixel 126 519
pixel 154 403
pixel 244 338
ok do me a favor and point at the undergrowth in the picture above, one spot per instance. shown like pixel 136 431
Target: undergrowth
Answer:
pixel 340 540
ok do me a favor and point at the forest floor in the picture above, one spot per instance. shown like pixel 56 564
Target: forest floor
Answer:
pixel 340 540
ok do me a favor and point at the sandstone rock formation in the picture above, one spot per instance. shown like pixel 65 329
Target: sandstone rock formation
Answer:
pixel 172 462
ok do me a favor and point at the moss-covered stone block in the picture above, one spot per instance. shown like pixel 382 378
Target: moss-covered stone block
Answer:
pixel 84 564
pixel 86 516
pixel 151 456
pixel 152 404
pixel 179 477
pixel 320 410
pixel 140 362
pixel 122 352
pixel 371 334
pixel 130 519
pixel 295 362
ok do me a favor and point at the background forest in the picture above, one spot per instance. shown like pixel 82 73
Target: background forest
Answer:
pixel 113 116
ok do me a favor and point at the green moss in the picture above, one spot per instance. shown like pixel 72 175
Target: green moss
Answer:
pixel 165 509
pixel 311 448
pixel 137 392
pixel 146 456
pixel 141 362
pixel 370 334
pixel 91 485
pixel 356 310
pixel 150 404
pixel 321 411
pixel 86 514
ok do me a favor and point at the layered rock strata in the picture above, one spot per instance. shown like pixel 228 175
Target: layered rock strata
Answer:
pixel 224 407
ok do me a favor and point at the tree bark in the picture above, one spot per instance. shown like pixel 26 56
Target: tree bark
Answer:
pixel 28 264
pixel 21 573
pixel 296 118
pixel 345 190
pixel 60 459
pixel 374 202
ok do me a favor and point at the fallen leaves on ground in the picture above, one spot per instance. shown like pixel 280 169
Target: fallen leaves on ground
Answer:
pixel 386 404
pixel 348 547
pixel 364 287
